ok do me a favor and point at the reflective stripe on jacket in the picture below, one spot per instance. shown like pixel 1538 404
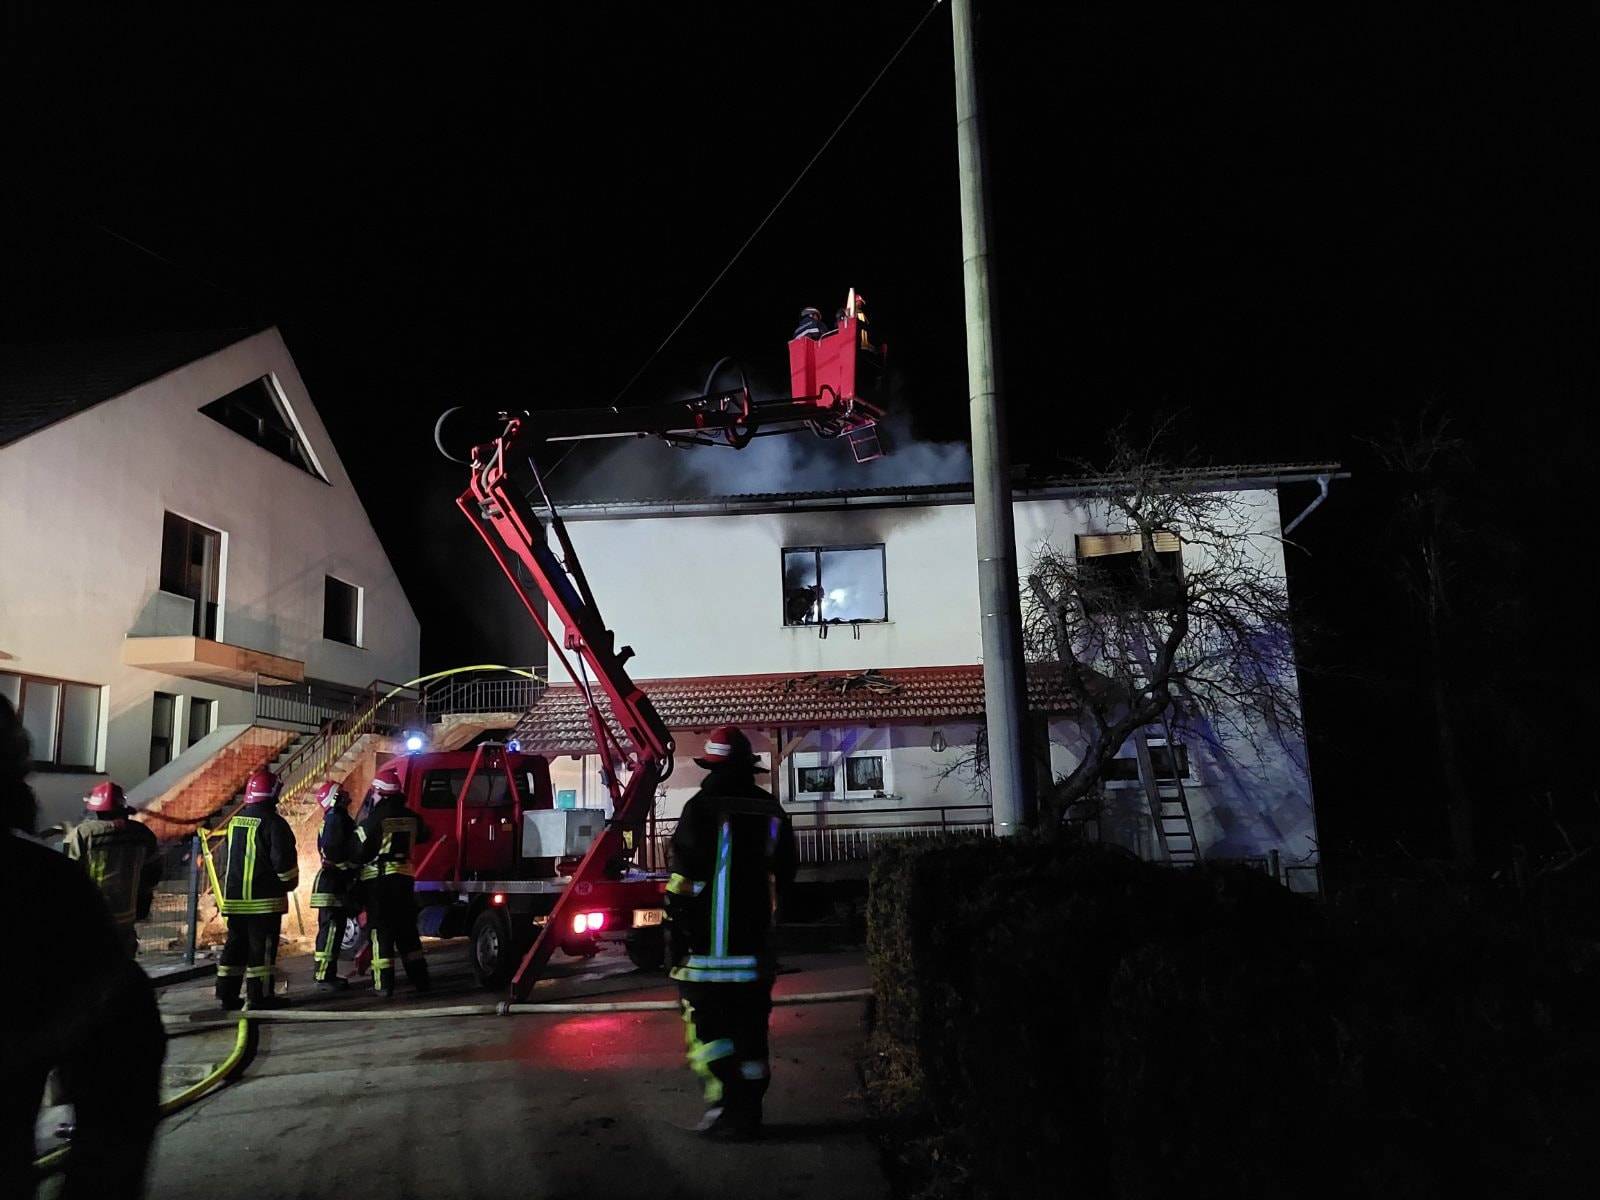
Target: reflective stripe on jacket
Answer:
pixel 123 859
pixel 337 844
pixel 732 851
pixel 263 867
pixel 386 837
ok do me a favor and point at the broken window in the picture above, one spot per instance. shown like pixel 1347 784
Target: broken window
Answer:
pixel 1162 760
pixel 258 412
pixel 813 779
pixel 834 585
pixel 1116 575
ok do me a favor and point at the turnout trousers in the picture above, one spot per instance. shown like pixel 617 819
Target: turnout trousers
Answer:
pixel 725 1032
pixel 330 936
pixel 392 915
pixel 248 956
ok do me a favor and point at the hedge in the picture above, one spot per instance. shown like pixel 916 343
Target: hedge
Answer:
pixel 1067 1020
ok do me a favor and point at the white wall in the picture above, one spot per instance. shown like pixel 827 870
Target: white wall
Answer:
pixel 81 506
pixel 702 595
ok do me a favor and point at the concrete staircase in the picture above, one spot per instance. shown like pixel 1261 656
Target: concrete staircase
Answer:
pixel 176 812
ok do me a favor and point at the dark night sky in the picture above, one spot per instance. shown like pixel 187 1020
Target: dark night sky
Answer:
pixel 1287 227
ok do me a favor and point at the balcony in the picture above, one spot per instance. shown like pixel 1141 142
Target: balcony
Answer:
pixel 171 637
pixel 214 662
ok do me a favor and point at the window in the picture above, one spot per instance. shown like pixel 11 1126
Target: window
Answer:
pixel 341 611
pixel 1162 756
pixel 829 584
pixel 489 790
pixel 1118 578
pixel 848 776
pixel 863 773
pixel 62 718
pixel 201 713
pixel 191 565
pixel 257 411
pixel 163 722
pixel 813 779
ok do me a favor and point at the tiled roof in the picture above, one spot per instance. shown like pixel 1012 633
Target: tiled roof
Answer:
pixel 40 385
pixel 558 724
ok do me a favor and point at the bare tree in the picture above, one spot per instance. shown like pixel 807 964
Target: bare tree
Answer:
pixel 1184 617
pixel 1427 544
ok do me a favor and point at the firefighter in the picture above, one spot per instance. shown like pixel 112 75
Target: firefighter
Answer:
pixel 732 854
pixel 810 324
pixel 262 869
pixel 73 1001
pixel 121 856
pixel 385 839
pixel 330 893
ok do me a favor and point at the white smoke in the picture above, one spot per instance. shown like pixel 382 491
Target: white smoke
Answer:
pixel 648 469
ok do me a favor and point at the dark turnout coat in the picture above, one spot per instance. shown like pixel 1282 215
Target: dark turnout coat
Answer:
pixel 732 853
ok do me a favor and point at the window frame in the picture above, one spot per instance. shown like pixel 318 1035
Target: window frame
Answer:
pixel 1187 779
pixel 1168 547
pixel 817 551
pixel 53 763
pixel 206 619
pixel 275 396
pixel 360 615
pixel 838 763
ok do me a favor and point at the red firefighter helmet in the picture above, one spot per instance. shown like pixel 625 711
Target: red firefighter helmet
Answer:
pixel 330 793
pixel 386 782
pixel 262 787
pixel 105 797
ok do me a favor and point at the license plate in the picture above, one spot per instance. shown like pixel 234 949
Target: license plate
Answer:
pixel 646 916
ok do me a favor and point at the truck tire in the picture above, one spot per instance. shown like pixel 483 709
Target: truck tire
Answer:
pixel 491 951
pixel 647 948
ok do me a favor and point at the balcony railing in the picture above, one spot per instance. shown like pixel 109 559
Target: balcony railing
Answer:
pixel 481 694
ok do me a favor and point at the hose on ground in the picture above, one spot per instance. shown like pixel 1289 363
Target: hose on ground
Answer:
pixel 243 1048
pixel 502 1009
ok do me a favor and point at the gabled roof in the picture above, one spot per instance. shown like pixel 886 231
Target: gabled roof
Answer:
pixel 40 385
pixel 557 723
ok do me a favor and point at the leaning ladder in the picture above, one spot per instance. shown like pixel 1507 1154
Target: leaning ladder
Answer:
pixel 1169 804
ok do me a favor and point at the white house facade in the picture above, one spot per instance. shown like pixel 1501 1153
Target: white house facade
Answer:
pixel 841 630
pixel 167 543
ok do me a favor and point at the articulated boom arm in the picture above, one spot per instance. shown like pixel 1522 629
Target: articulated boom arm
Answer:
pixel 508 526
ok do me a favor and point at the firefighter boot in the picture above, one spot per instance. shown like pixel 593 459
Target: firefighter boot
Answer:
pixel 228 983
pixel 258 994
pixel 332 983
pixel 417 971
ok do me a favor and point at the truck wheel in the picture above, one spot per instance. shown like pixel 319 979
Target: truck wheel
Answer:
pixel 491 951
pixel 647 948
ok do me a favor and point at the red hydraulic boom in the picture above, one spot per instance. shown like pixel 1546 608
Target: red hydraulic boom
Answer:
pixel 824 374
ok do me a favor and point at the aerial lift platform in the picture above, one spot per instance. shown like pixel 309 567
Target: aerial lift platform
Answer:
pixel 502 865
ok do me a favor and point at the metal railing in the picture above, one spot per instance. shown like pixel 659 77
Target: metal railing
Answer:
pixel 851 834
pixel 383 708
pixel 481 694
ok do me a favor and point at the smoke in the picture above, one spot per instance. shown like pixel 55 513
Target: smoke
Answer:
pixel 649 469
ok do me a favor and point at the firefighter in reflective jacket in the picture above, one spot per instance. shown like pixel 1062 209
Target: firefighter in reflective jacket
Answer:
pixel 330 893
pixel 262 869
pixel 121 856
pixel 385 838
pixel 732 854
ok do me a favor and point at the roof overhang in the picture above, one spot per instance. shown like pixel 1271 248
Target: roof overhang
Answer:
pixel 213 662
pixel 1240 478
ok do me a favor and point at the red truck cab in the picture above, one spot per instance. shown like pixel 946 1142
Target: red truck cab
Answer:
pixel 474 879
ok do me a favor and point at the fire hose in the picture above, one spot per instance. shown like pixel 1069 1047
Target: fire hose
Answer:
pixel 245 1041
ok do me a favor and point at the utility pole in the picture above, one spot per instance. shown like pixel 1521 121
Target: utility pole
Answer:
pixel 1004 678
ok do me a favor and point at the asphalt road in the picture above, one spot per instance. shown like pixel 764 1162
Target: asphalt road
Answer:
pixel 591 1106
